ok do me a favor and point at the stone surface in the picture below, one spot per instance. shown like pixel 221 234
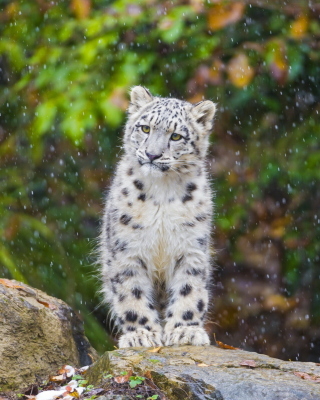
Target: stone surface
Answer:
pixel 38 335
pixel 209 372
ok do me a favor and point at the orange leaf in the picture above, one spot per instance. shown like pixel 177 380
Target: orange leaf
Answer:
pixel 57 378
pixel 248 363
pixel 221 15
pixel 9 284
pixel 81 8
pixel 155 350
pixel 239 71
pixel 299 27
pixel 48 305
pixel 224 346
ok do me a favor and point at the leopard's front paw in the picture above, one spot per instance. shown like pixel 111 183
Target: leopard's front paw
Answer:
pixel 181 335
pixel 140 338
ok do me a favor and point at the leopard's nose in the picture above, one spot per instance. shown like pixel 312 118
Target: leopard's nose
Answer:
pixel 153 156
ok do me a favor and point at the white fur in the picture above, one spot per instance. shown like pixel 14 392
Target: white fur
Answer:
pixel 155 236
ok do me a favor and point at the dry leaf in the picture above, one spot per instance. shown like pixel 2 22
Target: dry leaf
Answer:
pixel 155 350
pixel 307 377
pixel 46 304
pixel 239 71
pixel 203 365
pixel 123 378
pixel 57 378
pixel 10 284
pixel 68 370
pixel 248 363
pixel 147 374
pixel 221 15
pixel 224 346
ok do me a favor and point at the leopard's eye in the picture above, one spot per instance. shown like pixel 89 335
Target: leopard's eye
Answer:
pixel 145 128
pixel 176 136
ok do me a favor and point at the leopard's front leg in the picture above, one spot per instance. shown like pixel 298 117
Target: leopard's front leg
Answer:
pixel 188 304
pixel 132 303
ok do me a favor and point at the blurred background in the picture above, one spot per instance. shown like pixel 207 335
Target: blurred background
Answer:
pixel 65 71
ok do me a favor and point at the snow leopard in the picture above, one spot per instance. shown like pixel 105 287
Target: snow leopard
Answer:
pixel 155 246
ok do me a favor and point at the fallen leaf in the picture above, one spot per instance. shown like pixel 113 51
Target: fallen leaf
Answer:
pixel 67 369
pixel 9 284
pixel 221 15
pixel 203 365
pixel 155 350
pixel 147 374
pixel 239 70
pixel 307 377
pixel 57 378
pixel 123 378
pixel 248 363
pixel 46 304
pixel 224 346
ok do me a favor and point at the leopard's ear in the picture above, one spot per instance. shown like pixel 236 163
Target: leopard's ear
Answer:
pixel 139 97
pixel 204 112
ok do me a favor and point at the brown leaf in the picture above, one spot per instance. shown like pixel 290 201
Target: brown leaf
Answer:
pixel 123 378
pixel 48 305
pixel 248 363
pixel 9 284
pixel 147 374
pixel 224 346
pixel 307 377
pixel 221 15
pixel 155 350
pixel 57 378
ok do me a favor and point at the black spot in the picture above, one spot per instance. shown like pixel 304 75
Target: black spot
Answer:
pixel 147 327
pixel 171 199
pixel 129 273
pixel 130 171
pixel 131 316
pixel 117 279
pixel 130 204
pixel 122 297
pixel 121 321
pixel 191 187
pixel 178 324
pixel 181 335
pixel 186 198
pixel 185 290
pixel 142 197
pixel 162 306
pixel 140 342
pixel 151 306
pixel 169 315
pixel 138 184
pixel 191 224
pixel 131 328
pixel 178 263
pixel 125 219
pixel 130 343
pixel 201 217
pixel 188 315
pixel 143 320
pixel 193 323
pixel 125 191
pixel 142 263
pixel 136 293
pixel 164 168
pixel 202 241
pixel 200 305
pixel 194 271
pixel 136 226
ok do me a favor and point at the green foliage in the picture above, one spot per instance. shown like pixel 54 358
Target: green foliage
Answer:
pixel 135 381
pixel 65 71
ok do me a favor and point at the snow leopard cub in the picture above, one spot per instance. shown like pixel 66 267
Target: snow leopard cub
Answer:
pixel 155 239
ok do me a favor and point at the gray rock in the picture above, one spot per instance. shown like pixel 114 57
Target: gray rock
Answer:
pixel 209 372
pixel 38 335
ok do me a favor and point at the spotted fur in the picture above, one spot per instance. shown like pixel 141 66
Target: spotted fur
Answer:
pixel 155 239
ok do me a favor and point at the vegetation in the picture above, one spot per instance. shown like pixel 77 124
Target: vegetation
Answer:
pixel 65 70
